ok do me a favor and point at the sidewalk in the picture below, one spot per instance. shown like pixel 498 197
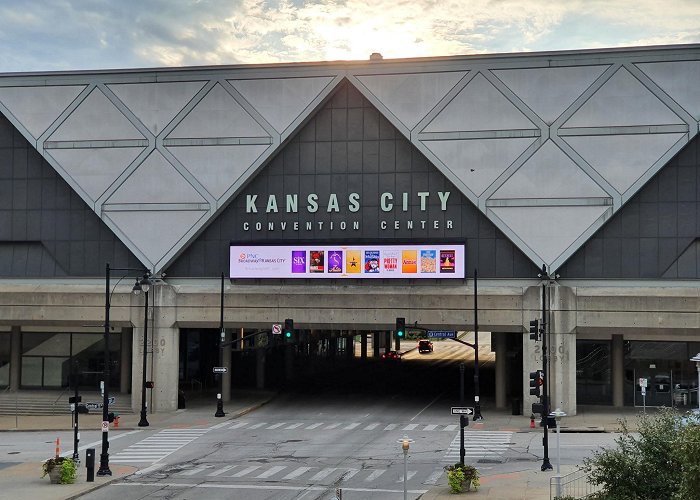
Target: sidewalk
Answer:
pixel 526 483
pixel 23 480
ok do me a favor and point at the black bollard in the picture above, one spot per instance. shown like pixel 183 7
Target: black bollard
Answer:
pixel 90 464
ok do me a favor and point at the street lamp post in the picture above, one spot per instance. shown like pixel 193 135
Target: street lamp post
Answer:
pixel 104 469
pixel 696 358
pixel 145 286
pixel 558 414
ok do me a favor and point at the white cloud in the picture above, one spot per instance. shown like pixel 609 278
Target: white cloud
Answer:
pixel 71 34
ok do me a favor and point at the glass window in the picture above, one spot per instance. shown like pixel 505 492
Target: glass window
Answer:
pixel 46 344
pixel 31 371
pixel 5 343
pixel 593 372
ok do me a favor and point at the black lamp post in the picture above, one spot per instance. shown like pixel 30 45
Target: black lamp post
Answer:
pixel 145 286
pixel 104 469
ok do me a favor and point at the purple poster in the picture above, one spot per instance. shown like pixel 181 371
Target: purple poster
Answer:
pixel 335 261
pixel 298 261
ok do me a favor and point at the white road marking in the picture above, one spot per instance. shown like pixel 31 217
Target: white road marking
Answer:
pixel 323 473
pixel 245 471
pixel 267 487
pixel 271 471
pixel 375 474
pixel 433 478
pixel 222 470
pixel 313 426
pixel 296 473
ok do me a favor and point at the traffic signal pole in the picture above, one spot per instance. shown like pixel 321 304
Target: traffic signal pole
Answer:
pixel 546 464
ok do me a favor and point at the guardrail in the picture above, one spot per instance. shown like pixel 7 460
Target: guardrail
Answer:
pixel 572 485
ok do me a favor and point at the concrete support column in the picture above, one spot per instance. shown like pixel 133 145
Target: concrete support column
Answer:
pixel 618 370
pixel 125 362
pixel 165 348
pixel 226 362
pixel 260 368
pixel 375 344
pixel 15 358
pixel 562 348
pixel 363 346
pixel 499 347
pixel 387 341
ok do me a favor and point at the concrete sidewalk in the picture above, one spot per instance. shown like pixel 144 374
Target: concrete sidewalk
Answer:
pixel 525 483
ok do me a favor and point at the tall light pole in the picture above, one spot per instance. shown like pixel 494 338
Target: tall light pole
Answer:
pixel 104 469
pixel 145 286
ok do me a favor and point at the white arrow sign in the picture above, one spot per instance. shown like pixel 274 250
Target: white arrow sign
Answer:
pixel 462 410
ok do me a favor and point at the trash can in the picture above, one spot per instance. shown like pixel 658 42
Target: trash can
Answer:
pixel 516 407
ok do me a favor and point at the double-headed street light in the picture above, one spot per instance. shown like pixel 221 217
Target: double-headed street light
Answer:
pixel 104 455
pixel 145 285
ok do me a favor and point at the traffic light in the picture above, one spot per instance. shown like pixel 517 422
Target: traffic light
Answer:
pixel 110 417
pixel 400 330
pixel 288 332
pixel 535 333
pixel 536 383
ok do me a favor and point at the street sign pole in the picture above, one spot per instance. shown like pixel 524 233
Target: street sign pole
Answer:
pixel 546 464
pixel 462 451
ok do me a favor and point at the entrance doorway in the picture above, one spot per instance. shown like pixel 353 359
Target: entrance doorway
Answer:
pixel 199 354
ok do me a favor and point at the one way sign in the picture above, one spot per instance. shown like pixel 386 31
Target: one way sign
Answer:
pixel 462 410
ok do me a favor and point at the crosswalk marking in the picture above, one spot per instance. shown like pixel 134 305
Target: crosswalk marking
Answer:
pixel 194 470
pixel 371 426
pixel 350 474
pixel 296 473
pixel 271 471
pixel 323 474
pixel 221 471
pixel 409 475
pixel 479 445
pixel 245 471
pixel 375 474
pixel 433 478
pixel 157 447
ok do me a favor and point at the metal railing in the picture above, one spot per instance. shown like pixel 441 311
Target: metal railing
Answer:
pixel 572 485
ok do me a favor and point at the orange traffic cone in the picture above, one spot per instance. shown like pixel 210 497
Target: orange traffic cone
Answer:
pixel 532 420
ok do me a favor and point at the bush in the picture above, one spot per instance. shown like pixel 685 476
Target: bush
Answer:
pixel 643 467
pixel 687 450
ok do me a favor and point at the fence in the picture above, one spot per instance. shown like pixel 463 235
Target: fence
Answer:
pixel 572 485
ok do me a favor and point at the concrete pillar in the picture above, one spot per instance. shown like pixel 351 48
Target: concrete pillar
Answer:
pixel 562 348
pixel 363 346
pixel 165 337
pixel 499 347
pixel 125 362
pixel 15 358
pixel 618 370
pixel 375 344
pixel 260 368
pixel 226 359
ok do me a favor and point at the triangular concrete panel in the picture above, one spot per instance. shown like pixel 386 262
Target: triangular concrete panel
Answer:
pixel 281 100
pixel 155 233
pixel 96 119
pixel 218 115
pixel 155 181
pixel 549 173
pixel 550 231
pixel 36 108
pixel 93 169
pixel 622 101
pixel 549 91
pixel 680 80
pixel 156 104
pixel 218 168
pixel 478 162
pixel 410 96
pixel 479 106
pixel 623 159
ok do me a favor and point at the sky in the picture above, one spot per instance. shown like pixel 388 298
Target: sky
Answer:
pixel 50 35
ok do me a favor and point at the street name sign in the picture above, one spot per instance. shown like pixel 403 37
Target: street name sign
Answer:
pixel 442 334
pixel 95 406
pixel 220 369
pixel 462 410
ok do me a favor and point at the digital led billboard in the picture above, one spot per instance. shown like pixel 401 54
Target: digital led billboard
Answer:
pixel 357 261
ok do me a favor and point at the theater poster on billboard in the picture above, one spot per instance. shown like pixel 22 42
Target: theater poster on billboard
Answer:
pixel 440 261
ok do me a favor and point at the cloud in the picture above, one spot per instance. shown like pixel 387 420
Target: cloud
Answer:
pixel 71 34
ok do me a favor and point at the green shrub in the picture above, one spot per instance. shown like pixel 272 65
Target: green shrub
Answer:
pixel 68 471
pixel 687 450
pixel 459 475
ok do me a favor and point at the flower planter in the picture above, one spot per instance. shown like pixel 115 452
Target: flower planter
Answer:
pixel 55 475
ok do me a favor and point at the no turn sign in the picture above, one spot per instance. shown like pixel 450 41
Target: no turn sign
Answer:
pixel 105 426
pixel 277 329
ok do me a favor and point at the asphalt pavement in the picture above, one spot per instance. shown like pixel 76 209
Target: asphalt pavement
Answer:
pixel 23 479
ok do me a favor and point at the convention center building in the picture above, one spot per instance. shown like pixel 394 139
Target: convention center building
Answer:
pixel 561 187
